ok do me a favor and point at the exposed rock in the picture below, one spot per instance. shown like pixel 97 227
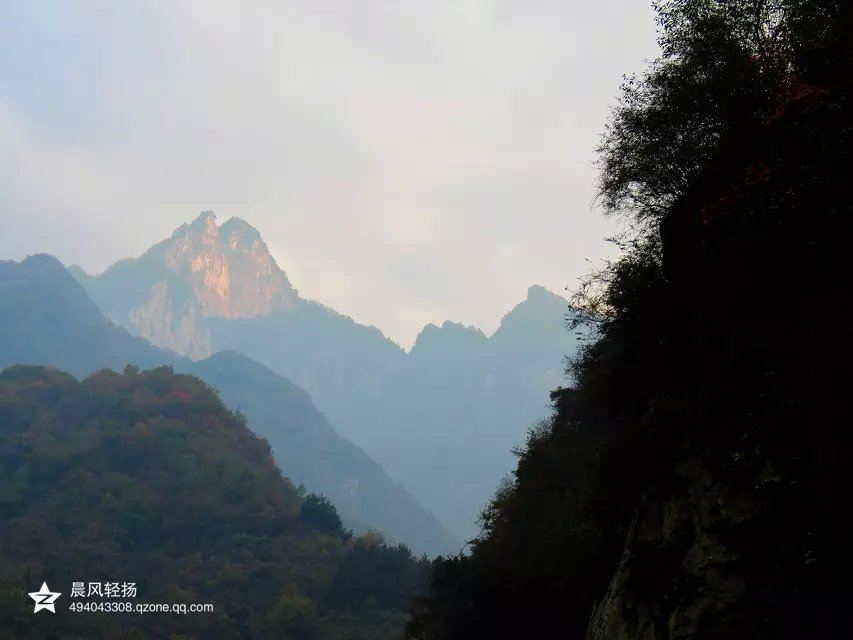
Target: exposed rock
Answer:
pixel 691 568
pixel 202 271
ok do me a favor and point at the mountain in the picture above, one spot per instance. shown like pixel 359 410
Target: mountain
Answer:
pixel 210 288
pixel 443 418
pixel 46 318
pixel 344 365
pixel 309 449
pixel 147 479
pixel 201 271
pixel 463 402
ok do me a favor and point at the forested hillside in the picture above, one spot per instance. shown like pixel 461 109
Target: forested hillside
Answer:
pixel 694 483
pixel 146 477
pixel 46 318
pixel 309 450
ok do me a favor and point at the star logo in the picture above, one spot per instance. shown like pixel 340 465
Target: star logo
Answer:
pixel 44 599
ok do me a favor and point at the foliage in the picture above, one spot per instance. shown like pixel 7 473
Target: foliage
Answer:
pixel 377 575
pixel 700 451
pixel 319 513
pixel 146 477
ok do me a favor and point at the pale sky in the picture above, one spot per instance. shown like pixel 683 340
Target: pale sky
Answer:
pixel 407 162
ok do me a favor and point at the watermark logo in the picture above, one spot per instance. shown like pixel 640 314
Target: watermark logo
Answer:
pixel 44 598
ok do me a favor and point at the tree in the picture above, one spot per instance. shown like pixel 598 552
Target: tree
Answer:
pixel 689 484
pixel 319 513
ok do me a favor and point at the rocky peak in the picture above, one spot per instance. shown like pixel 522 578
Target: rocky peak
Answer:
pixel 450 337
pixel 229 267
pixel 202 270
pixel 206 223
pixel 237 233
pixel 538 293
pixel 203 226
pixel 541 310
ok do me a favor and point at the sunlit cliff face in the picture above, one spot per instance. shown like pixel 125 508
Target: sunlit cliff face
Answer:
pixel 202 271
pixel 229 268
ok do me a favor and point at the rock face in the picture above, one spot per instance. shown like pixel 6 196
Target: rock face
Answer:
pixel 697 562
pixel 202 271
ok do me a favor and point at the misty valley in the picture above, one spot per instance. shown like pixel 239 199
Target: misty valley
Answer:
pixel 98 350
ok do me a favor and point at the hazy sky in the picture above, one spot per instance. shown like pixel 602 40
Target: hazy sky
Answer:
pixel 407 161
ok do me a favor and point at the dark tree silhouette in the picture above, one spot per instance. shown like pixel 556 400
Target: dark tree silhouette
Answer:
pixel 693 483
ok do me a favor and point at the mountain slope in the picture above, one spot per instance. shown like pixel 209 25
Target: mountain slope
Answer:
pixel 443 419
pixel 147 478
pixel 283 413
pixel 46 318
pixel 342 364
pixel 454 452
pixel 210 288
pixel 201 271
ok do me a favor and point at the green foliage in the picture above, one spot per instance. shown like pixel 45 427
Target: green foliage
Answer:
pixel 725 64
pixel 147 477
pixel 691 484
pixel 319 513
pixel 377 575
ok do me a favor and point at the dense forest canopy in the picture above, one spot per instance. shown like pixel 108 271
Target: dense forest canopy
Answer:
pixel 146 477
pixel 692 483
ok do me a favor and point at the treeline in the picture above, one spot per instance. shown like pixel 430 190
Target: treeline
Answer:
pixel 146 477
pixel 694 482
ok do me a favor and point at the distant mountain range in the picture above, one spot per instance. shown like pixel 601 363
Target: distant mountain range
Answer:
pixel 442 418
pixel 46 318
